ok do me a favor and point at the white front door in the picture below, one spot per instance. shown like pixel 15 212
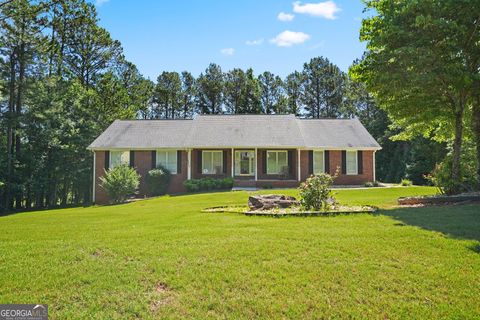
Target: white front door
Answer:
pixel 244 163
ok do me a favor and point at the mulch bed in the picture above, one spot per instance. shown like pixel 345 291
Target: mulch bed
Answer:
pixel 440 199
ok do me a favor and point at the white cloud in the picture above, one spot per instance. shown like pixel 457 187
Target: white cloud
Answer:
pixel 256 42
pixel 227 51
pixel 289 38
pixel 326 9
pixel 282 16
pixel 98 3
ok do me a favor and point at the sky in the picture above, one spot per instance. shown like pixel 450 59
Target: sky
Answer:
pixel 267 35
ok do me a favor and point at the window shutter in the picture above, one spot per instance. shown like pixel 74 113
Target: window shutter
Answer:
pixel 199 161
pixel 132 158
pixel 225 161
pixel 179 161
pixel 264 163
pixel 291 168
pixel 327 161
pixel 154 159
pixel 344 162
pixel 310 162
pixel 360 161
pixel 107 160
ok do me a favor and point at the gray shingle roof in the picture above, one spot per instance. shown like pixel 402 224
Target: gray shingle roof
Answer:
pixel 239 131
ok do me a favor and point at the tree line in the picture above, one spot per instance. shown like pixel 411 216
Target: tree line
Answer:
pixel 319 90
pixel 63 80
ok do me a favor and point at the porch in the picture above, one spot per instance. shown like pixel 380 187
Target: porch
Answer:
pixel 249 167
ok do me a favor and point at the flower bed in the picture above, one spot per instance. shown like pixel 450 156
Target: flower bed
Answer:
pixel 293 211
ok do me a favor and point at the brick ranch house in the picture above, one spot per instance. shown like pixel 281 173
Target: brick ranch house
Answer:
pixel 256 150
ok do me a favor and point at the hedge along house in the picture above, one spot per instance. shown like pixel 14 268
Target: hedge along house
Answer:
pixel 256 150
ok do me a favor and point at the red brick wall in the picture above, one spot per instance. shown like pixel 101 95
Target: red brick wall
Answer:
pixel 336 162
pixel 176 182
pixel 343 179
pixel 143 164
pixel 198 175
pixel 304 165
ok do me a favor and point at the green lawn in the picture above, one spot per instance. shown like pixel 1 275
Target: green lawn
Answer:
pixel 164 258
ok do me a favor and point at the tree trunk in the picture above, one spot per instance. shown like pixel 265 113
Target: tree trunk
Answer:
pixel 476 134
pixel 457 146
pixel 20 88
pixel 11 109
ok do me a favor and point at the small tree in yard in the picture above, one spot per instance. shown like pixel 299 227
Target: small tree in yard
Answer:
pixel 157 181
pixel 315 192
pixel 120 182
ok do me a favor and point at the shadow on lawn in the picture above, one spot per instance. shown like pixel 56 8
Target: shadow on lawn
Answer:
pixel 459 221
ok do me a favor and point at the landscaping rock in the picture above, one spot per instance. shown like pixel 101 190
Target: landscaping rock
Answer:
pixel 265 202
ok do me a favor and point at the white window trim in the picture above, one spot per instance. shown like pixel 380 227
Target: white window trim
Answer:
pixel 356 162
pixel 324 161
pixel 121 151
pixel 277 152
pixel 203 161
pixel 167 150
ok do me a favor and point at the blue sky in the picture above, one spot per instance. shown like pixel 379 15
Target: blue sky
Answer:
pixel 274 35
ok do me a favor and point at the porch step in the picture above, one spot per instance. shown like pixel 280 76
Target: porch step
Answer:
pixel 244 183
pixel 244 189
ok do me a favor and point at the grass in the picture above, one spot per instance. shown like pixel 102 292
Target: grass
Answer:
pixel 163 258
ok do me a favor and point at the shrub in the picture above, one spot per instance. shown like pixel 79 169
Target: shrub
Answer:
pixel 192 185
pixel 315 192
pixel 157 181
pixel 207 184
pixel 406 182
pixel 441 175
pixel 120 182
pixel 227 183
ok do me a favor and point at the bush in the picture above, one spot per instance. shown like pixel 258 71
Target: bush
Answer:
pixel 158 181
pixel 207 184
pixel 406 183
pixel 441 175
pixel 315 192
pixel 120 182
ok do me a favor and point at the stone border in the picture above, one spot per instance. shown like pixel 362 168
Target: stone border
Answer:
pixel 409 201
pixel 219 209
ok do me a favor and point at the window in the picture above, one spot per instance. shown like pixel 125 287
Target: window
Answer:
pixel 118 158
pixel 167 159
pixel 212 162
pixel 352 162
pixel 318 162
pixel 277 162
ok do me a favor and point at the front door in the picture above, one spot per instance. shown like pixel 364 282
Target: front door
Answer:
pixel 244 163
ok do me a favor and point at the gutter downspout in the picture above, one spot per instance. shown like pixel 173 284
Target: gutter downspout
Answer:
pixel 374 165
